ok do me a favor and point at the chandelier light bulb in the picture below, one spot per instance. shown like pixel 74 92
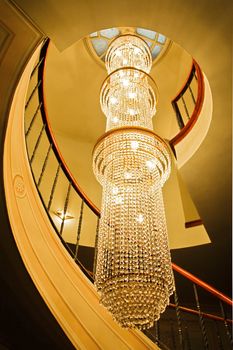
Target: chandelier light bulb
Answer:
pixel 132 111
pixel 151 164
pixel 115 120
pixel 118 200
pixel 134 145
pixel 118 53
pixel 115 190
pixel 113 100
pixel 128 175
pixel 125 82
pixel 140 218
pixel 132 94
pixel 136 50
pixel 133 272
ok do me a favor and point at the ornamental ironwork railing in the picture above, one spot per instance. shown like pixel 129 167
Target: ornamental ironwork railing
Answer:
pixel 204 324
pixel 188 103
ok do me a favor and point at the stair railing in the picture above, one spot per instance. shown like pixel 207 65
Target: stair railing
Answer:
pixel 57 187
pixel 188 103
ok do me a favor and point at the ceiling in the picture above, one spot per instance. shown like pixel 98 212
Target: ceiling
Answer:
pixel 72 97
pixel 204 30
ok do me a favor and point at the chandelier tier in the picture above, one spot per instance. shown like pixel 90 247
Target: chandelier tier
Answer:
pixel 133 272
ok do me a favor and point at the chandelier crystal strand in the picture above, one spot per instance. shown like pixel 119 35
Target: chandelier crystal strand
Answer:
pixel 133 272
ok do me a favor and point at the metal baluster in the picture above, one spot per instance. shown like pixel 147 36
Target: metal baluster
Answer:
pixel 36 66
pixel 163 346
pixel 180 333
pixel 191 92
pixel 157 335
pixel 37 143
pixel 185 107
pixel 33 119
pixel 219 336
pixel 65 208
pixel 44 165
pixel 187 337
pixel 225 322
pixel 178 115
pixel 79 230
pixel 158 342
pixel 173 335
pixel 201 319
pixel 53 187
pixel 96 246
pixel 32 93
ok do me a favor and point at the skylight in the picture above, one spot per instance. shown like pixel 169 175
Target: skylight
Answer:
pixel 100 40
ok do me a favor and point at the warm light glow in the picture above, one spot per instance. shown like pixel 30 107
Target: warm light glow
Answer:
pixel 115 190
pixel 113 100
pixel 133 273
pixel 134 145
pixel 151 165
pixel 125 82
pixel 60 214
pixel 118 53
pixel 115 120
pixel 118 200
pixel 127 175
pixel 132 111
pixel 140 218
pixel 132 94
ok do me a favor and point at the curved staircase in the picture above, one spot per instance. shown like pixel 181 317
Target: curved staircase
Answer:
pixel 34 171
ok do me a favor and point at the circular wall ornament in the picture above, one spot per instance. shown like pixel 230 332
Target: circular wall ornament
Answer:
pixel 19 186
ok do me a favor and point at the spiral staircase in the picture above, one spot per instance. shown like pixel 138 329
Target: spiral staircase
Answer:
pixel 59 264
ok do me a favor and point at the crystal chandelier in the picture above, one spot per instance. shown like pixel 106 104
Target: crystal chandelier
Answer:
pixel 133 272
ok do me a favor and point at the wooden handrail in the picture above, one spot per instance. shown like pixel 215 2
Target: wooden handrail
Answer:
pixel 193 223
pixel 202 284
pixel 198 106
pixel 89 203
pixel 204 314
pixel 186 84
